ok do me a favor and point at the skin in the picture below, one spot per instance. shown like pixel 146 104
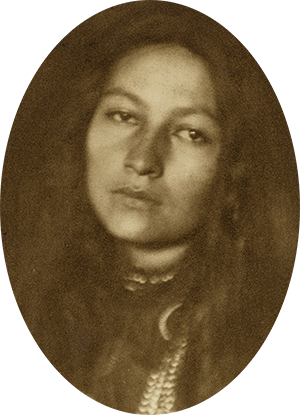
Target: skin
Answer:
pixel 153 147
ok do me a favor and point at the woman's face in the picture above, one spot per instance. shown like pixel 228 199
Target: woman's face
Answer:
pixel 153 146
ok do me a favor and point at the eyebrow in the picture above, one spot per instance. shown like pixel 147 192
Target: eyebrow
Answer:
pixel 181 111
pixel 122 92
pixel 186 111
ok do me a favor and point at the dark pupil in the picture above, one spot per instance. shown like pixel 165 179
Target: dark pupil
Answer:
pixel 125 116
pixel 194 134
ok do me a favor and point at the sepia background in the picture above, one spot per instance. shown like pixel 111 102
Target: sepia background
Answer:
pixel 30 30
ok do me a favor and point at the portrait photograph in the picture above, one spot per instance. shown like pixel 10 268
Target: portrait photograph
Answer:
pixel 150 207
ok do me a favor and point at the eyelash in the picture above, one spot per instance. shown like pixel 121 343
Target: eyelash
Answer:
pixel 200 136
pixel 126 117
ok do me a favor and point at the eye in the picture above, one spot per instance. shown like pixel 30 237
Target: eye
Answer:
pixel 123 117
pixel 192 134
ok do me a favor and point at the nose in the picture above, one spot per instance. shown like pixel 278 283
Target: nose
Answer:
pixel 145 155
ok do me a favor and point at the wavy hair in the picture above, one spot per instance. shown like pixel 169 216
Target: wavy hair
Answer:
pixel 245 255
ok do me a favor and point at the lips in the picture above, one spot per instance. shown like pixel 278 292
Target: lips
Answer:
pixel 136 198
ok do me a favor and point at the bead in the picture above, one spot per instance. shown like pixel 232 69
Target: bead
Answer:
pixel 144 402
pixel 152 407
pixel 168 385
pixel 167 277
pixel 157 392
pixel 130 286
pixel 147 395
pixel 174 364
pixel 138 278
pixel 142 410
pixel 168 393
pixel 154 279
pixel 169 406
pixel 151 383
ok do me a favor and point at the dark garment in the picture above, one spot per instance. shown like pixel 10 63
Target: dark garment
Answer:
pixel 108 347
pixel 107 342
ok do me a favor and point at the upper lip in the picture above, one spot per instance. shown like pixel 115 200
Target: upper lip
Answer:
pixel 137 193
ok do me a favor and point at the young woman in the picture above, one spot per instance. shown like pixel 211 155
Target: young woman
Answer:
pixel 161 222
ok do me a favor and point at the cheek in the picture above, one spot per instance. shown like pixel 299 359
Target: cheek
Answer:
pixel 195 197
pixel 98 173
pixel 192 175
pixel 193 186
pixel 103 160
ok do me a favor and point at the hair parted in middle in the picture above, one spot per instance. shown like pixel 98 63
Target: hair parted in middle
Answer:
pixel 241 254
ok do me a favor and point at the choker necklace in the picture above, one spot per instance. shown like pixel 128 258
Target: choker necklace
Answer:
pixel 139 280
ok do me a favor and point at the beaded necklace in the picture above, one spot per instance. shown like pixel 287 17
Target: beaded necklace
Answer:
pixel 136 281
pixel 159 396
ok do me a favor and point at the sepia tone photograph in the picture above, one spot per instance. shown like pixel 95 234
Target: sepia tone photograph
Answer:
pixel 149 210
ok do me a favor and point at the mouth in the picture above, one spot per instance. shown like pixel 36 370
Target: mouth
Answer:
pixel 136 198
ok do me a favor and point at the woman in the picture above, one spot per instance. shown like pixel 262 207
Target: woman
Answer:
pixel 176 210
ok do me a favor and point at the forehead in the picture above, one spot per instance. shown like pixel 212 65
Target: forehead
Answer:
pixel 163 54
pixel 165 72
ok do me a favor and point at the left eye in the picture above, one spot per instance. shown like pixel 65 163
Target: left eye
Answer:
pixel 123 117
pixel 192 134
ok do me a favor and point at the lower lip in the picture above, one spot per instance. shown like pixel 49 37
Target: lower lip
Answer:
pixel 135 203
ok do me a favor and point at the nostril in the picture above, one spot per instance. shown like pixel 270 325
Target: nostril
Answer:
pixel 144 159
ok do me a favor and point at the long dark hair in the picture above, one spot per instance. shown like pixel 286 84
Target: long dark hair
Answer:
pixel 244 259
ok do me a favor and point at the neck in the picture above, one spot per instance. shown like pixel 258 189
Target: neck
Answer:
pixel 152 260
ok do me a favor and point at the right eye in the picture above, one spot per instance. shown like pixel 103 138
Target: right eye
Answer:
pixel 123 117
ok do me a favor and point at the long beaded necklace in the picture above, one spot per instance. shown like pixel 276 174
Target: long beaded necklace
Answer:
pixel 159 396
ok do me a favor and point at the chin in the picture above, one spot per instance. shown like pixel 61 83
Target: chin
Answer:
pixel 144 235
pixel 133 232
